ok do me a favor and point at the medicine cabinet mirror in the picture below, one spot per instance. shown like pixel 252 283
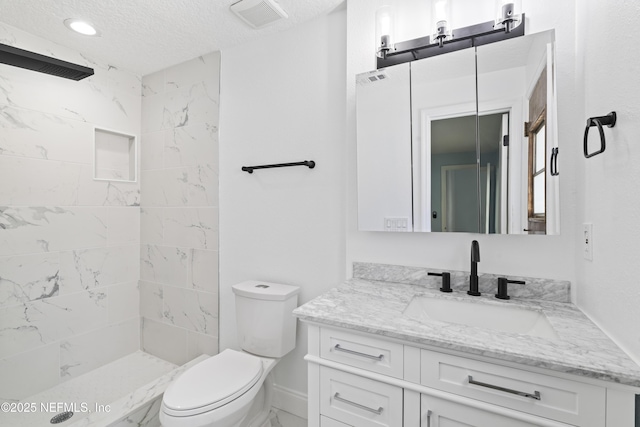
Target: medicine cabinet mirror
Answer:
pixel 461 142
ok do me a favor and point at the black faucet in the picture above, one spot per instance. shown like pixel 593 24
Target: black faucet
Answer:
pixel 475 259
pixel 502 287
pixel 446 280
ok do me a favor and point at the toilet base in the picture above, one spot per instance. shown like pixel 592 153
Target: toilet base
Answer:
pixel 258 415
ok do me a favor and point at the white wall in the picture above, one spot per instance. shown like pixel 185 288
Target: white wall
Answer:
pixel 538 256
pixel 609 288
pixel 282 100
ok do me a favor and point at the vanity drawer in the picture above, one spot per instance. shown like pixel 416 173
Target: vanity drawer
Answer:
pixel 358 401
pixel 563 400
pixel 363 352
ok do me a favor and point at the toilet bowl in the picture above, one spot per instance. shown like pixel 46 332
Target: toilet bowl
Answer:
pixel 233 388
pixel 237 378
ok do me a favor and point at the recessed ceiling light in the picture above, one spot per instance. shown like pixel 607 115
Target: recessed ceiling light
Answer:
pixel 80 26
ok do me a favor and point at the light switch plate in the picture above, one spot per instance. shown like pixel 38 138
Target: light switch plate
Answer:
pixel 396 224
pixel 587 241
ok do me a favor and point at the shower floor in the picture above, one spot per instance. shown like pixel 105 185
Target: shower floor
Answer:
pixel 101 397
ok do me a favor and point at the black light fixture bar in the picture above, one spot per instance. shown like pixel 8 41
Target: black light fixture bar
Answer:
pixel 462 38
pixel 44 64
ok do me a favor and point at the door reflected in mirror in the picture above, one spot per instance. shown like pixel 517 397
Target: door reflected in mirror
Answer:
pixel 454 199
pixel 455 202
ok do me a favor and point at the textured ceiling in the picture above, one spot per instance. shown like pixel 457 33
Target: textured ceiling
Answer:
pixel 144 36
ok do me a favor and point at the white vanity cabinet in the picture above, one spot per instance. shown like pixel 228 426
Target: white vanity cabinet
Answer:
pixel 358 379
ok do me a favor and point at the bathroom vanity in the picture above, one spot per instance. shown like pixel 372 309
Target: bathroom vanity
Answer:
pixel 397 352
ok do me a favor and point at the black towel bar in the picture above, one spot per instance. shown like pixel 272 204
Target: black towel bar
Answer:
pixel 309 163
pixel 609 120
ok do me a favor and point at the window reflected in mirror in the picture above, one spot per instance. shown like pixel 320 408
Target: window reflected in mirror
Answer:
pixel 537 129
pixel 538 174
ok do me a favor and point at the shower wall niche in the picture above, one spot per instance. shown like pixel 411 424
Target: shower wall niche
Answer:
pixel 114 156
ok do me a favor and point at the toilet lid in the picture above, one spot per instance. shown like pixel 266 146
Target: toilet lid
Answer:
pixel 213 382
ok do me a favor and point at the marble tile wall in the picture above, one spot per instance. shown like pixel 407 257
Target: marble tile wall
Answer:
pixel 179 210
pixel 69 245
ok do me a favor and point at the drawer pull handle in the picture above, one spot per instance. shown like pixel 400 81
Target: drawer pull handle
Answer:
pixel 535 395
pixel 357 353
pixel 429 418
pixel 357 405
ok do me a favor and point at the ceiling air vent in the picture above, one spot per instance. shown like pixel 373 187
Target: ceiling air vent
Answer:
pixel 44 64
pixel 258 13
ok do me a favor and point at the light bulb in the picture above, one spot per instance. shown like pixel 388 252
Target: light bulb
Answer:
pixel 440 10
pixel 508 15
pixel 441 18
pixel 384 30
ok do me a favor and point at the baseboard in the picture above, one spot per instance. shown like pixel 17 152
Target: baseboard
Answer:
pixel 290 401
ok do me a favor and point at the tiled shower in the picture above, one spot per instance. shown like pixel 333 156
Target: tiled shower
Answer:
pixel 92 270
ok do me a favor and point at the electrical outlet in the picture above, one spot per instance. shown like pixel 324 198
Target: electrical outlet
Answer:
pixel 587 241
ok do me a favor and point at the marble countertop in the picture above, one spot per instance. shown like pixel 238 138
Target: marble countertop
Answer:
pixel 377 308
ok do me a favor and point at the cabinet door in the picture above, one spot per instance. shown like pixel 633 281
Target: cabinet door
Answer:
pixel 383 121
pixel 442 413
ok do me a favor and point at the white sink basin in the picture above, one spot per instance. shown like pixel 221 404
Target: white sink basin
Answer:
pixel 497 317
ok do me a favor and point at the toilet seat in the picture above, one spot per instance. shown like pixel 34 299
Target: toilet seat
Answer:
pixel 212 383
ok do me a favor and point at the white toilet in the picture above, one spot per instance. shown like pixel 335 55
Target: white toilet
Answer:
pixel 233 388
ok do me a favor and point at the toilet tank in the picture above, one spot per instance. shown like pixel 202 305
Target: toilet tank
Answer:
pixel 264 321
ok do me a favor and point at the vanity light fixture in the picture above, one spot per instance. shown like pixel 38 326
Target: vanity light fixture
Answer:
pixel 508 16
pixel 444 39
pixel 81 27
pixel 384 30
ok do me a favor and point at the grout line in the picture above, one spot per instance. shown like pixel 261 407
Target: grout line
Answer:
pixel 54 298
pixel 17 156
pixel 60 251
